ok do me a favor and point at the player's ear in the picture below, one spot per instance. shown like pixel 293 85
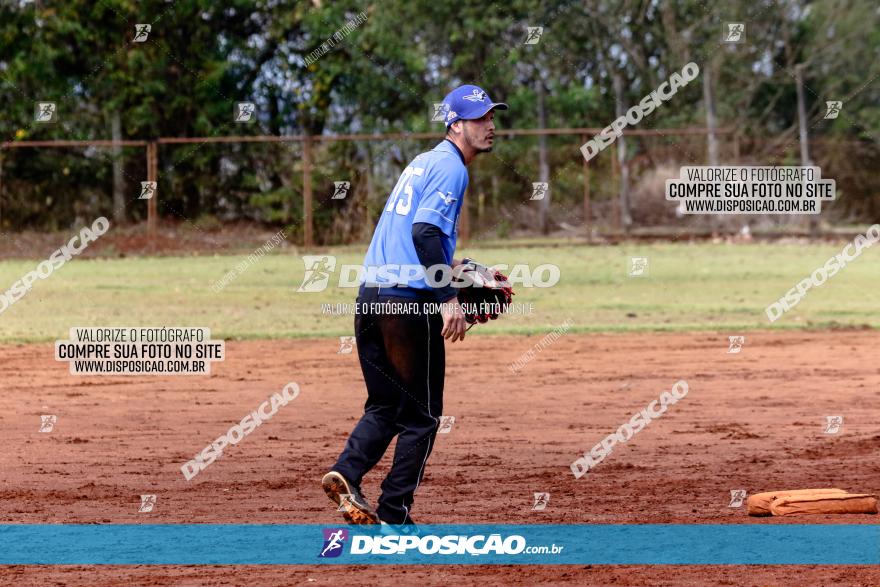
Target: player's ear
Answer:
pixel 456 127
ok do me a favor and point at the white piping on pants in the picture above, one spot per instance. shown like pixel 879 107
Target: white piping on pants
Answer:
pixel 425 460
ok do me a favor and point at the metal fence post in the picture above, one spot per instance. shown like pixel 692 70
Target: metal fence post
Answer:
pixel 587 211
pixel 615 201
pixel 152 206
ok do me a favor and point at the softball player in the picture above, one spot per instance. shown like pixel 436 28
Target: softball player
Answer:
pixel 401 351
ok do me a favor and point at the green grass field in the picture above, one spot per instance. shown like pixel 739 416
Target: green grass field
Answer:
pixel 689 287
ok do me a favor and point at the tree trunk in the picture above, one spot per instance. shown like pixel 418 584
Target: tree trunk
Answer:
pixel 118 169
pixel 804 137
pixel 711 137
pixel 625 216
pixel 368 217
pixel 711 119
pixel 543 165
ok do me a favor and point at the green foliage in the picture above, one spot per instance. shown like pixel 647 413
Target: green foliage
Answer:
pixel 203 56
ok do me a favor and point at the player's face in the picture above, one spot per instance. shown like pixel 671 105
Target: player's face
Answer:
pixel 480 132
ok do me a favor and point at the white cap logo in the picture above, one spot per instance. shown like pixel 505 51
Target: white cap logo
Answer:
pixel 476 96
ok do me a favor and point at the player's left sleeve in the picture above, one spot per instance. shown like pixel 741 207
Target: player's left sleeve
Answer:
pixel 441 197
pixel 428 242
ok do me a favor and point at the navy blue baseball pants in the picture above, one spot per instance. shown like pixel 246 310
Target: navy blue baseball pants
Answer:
pixel 403 360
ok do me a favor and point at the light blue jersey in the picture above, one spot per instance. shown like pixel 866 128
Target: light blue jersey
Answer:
pixel 430 189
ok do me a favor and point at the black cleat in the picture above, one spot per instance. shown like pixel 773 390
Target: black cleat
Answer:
pixel 355 508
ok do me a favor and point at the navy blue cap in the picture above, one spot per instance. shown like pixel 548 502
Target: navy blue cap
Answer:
pixel 468 103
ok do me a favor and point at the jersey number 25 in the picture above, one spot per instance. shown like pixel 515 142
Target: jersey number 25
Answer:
pixel 405 184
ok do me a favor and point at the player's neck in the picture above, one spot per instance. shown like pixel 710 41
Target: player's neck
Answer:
pixel 467 152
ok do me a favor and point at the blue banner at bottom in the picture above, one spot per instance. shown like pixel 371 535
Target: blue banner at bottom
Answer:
pixel 604 544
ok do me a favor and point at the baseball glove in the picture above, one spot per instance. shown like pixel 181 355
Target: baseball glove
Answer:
pixel 483 292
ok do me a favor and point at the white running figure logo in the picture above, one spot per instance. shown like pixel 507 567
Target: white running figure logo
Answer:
pixel 334 543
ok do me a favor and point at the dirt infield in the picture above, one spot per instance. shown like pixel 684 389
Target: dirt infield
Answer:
pixel 753 421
